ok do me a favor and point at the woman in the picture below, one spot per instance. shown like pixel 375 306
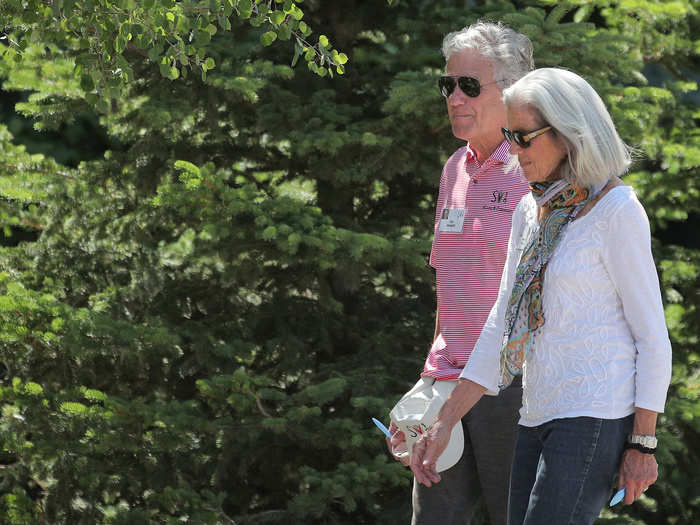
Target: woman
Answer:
pixel 581 311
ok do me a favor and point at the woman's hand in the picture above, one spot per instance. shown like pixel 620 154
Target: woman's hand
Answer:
pixel 637 472
pixel 427 450
pixel 433 442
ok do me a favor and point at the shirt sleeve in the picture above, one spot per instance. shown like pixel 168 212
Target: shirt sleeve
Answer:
pixel 483 366
pixel 628 259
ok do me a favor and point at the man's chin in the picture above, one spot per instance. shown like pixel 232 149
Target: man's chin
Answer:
pixel 462 131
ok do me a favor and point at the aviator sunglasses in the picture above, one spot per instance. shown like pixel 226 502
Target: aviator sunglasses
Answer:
pixel 521 138
pixel 469 85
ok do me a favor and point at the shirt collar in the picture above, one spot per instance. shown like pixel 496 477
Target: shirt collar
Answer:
pixel 500 154
pixel 471 154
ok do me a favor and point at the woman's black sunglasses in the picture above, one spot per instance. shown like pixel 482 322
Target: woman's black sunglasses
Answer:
pixel 522 138
pixel 469 85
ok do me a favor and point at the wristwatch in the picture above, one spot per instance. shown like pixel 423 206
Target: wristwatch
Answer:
pixel 641 439
pixel 641 442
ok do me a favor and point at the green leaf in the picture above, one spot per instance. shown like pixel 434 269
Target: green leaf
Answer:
pixel 73 408
pixel 119 45
pixel 86 82
pixel 33 389
pixel 323 41
pixel 154 54
pixel 168 71
pixel 187 166
pixel 582 13
pixel 277 17
pixel 257 21
pixel 269 233
pixel 202 37
pixel 268 38
pixel 245 8
pixel 297 13
pixel 284 32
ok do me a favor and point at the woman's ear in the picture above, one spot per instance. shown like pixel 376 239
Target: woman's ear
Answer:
pixel 561 143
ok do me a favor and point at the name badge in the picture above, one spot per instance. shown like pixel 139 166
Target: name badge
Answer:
pixel 452 220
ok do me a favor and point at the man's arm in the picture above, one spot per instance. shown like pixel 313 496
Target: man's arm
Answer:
pixel 437 324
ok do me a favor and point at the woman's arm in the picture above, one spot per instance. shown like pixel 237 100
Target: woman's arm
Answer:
pixel 629 262
pixel 637 469
pixel 483 366
pixel 630 265
pixel 482 371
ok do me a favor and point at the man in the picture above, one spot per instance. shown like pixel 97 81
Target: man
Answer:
pixel 479 191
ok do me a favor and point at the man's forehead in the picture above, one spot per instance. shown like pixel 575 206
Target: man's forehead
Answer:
pixel 469 62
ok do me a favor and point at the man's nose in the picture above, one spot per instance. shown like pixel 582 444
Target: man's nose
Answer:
pixel 457 97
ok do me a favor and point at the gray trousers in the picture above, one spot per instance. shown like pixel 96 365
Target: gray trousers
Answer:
pixel 490 430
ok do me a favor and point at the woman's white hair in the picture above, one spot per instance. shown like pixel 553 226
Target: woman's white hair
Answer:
pixel 509 52
pixel 577 114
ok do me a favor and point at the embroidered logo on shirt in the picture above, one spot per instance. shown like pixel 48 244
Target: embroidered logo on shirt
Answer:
pixel 498 197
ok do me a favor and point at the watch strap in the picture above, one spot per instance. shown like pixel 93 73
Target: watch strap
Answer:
pixel 640 448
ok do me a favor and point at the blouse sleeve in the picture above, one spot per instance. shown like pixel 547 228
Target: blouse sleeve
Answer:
pixel 483 366
pixel 628 260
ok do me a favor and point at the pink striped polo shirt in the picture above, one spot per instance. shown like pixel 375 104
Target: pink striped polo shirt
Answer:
pixel 468 263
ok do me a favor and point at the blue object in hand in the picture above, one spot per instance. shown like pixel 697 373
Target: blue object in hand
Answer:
pixel 617 498
pixel 381 427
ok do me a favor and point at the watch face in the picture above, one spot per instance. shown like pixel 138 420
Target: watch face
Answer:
pixel 645 441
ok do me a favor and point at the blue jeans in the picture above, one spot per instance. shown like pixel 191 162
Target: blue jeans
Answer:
pixel 564 470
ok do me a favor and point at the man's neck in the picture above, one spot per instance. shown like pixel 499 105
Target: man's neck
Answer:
pixel 484 149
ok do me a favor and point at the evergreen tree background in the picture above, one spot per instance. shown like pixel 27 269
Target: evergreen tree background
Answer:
pixel 214 269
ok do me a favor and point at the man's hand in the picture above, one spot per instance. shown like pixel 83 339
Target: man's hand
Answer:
pixel 427 450
pixel 397 438
pixel 637 472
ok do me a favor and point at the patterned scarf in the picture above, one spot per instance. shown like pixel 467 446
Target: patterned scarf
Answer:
pixel 524 313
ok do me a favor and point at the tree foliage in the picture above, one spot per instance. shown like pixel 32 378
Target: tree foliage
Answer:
pixel 104 39
pixel 212 311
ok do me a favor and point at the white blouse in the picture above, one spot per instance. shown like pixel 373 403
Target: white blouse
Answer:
pixel 604 347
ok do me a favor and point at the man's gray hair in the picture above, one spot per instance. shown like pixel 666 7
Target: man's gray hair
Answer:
pixel 578 115
pixel 509 52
